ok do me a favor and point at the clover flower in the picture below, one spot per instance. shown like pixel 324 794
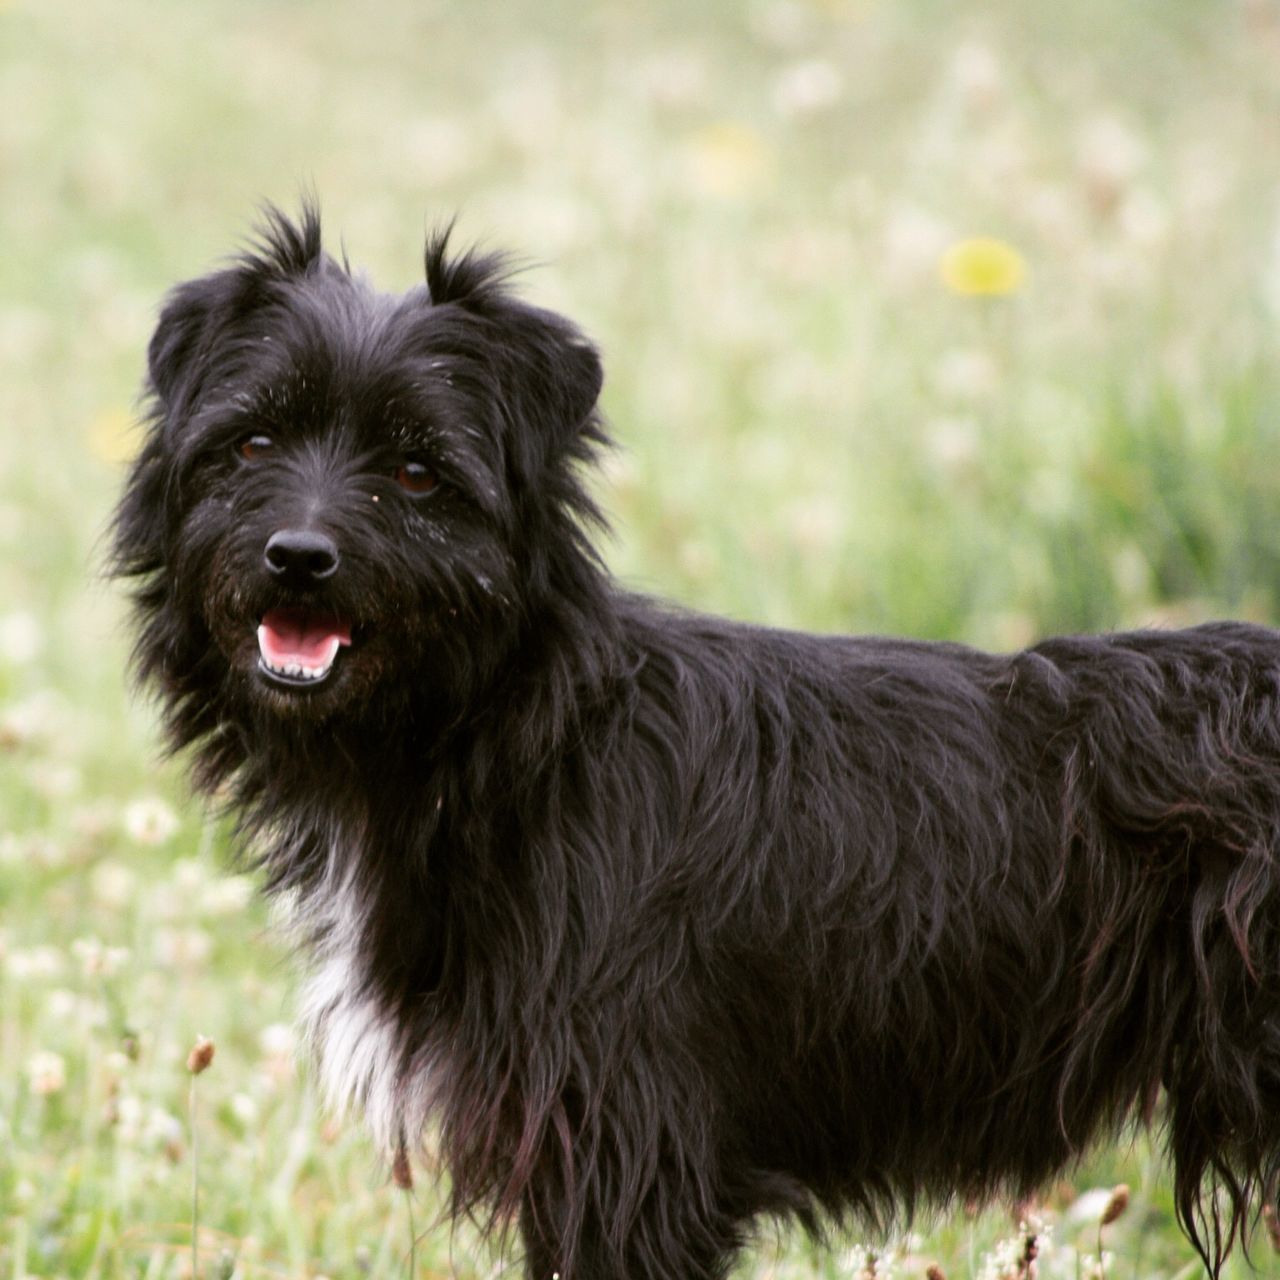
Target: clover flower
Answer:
pixel 150 821
pixel 46 1073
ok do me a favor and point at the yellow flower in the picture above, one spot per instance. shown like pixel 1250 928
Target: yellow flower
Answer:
pixel 982 266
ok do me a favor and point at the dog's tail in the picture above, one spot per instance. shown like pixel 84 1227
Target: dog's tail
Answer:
pixel 1172 790
pixel 1222 1077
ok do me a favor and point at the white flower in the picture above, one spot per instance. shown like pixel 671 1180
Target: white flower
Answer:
pixel 1088 1205
pixel 277 1040
pixel 44 851
pixel 244 1109
pixel 64 1008
pixel 227 895
pixel 128 1115
pixel 807 87
pixel 97 960
pixel 1110 155
pixel 115 1065
pixel 46 1073
pixel 21 638
pixel 189 877
pixel 870 1264
pixel 150 821
pixel 53 781
pixel 913 240
pixel 1004 1260
pixel 277 1044
pixel 152 1127
pixel 40 716
pixel 952 442
pixel 183 948
pixel 61 1005
pixel 966 373
pixel 34 963
pixel 976 73
pixel 162 1129
pixel 112 884
pixel 93 820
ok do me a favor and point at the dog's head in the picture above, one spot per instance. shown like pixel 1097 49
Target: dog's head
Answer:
pixel 347 500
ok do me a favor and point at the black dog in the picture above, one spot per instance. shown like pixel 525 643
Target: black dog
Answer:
pixel 663 921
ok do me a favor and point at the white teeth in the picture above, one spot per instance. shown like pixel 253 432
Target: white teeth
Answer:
pixel 297 670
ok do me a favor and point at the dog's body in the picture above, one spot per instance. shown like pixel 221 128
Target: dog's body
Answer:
pixel 664 921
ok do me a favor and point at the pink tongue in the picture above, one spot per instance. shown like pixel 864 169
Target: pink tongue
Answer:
pixel 301 636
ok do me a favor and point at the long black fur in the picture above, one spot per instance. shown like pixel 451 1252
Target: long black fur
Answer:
pixel 662 921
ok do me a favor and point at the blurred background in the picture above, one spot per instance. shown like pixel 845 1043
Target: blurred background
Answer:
pixel 948 320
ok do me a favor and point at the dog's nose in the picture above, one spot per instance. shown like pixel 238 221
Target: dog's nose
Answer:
pixel 301 556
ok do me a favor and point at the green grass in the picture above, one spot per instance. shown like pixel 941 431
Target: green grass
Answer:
pixel 745 203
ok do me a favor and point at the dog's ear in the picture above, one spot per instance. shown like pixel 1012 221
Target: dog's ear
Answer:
pixel 550 374
pixel 193 317
pixel 555 372
pixel 198 315
pixel 195 336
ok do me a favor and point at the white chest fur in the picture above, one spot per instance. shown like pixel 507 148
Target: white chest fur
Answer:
pixel 353 1037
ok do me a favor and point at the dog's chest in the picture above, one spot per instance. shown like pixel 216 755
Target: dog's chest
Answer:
pixel 353 1035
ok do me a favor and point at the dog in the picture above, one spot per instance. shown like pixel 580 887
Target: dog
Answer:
pixel 657 921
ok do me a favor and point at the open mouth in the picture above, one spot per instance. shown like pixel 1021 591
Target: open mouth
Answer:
pixel 298 647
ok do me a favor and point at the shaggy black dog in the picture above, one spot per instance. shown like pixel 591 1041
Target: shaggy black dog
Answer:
pixel 663 922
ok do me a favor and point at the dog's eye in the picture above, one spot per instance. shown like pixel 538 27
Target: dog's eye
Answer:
pixel 251 448
pixel 415 478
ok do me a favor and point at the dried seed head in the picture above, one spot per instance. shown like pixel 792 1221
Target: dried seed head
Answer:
pixel 401 1170
pixel 1030 1252
pixel 201 1055
pixel 1118 1203
pixel 934 1272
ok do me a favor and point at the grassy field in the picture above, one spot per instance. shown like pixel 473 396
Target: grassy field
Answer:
pixel 747 202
